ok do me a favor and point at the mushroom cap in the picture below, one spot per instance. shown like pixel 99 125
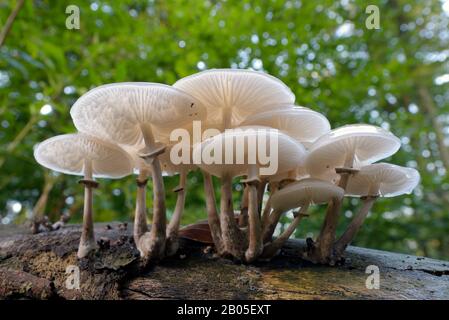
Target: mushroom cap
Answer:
pixel 170 168
pixel 116 111
pixel 167 166
pixel 303 124
pixel 388 179
pixel 244 92
pixel 137 162
pixel 163 134
pixel 366 143
pixel 301 173
pixel 66 153
pixel 290 152
pixel 291 174
pixel 304 192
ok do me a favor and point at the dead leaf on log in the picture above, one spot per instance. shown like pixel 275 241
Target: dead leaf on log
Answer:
pixel 199 232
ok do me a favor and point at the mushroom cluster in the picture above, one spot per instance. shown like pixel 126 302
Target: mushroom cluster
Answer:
pixel 119 127
pixel 130 127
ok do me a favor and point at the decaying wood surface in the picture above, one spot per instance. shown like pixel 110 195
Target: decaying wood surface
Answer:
pixel 34 267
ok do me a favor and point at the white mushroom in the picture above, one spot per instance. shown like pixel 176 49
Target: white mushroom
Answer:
pixel 280 203
pixel 129 113
pixel 305 192
pixel 350 146
pixel 231 95
pixel 303 124
pixel 275 182
pixel 382 179
pixel 169 168
pixel 282 179
pixel 80 154
pixel 300 194
pixel 372 181
pixel 341 150
pixel 289 153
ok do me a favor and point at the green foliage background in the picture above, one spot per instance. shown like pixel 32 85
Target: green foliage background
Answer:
pixel 374 76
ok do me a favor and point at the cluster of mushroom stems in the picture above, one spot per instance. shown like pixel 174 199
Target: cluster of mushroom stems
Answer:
pixel 128 127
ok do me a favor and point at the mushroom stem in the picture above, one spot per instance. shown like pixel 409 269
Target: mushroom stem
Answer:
pixel 354 226
pixel 260 192
pixel 212 215
pixel 140 218
pixel 151 150
pixel 269 229
pixel 172 244
pixel 152 245
pixel 87 241
pixel 87 169
pixel 344 178
pixel 272 248
pixel 255 237
pixel 346 171
pixel 229 228
pixel 326 237
pixel 147 134
pixel 157 233
pixel 243 217
pixel 266 211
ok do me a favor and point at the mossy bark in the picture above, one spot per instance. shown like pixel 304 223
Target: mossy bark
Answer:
pixel 34 267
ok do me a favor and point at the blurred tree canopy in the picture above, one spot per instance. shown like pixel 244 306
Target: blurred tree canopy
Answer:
pixel 396 77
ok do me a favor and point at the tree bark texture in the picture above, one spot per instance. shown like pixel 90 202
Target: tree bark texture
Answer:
pixel 34 267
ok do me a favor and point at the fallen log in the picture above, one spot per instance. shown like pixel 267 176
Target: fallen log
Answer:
pixel 45 266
